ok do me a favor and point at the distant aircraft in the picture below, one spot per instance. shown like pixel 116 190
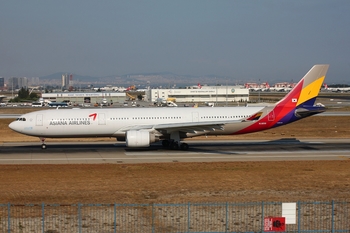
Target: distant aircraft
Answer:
pixel 267 87
pixel 336 89
pixel 120 89
pixel 141 127
pixel 131 88
pixel 104 102
pixel 257 87
pixel 198 86
pixel 279 89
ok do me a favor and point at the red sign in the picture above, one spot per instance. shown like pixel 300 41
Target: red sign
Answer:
pixel 274 224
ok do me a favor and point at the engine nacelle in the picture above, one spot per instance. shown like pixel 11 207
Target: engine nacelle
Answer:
pixel 136 138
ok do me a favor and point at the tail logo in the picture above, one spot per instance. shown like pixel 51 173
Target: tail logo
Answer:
pixel 255 117
pixel 297 104
pixel 93 115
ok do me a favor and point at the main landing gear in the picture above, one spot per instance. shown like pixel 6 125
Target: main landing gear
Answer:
pixel 43 145
pixel 174 145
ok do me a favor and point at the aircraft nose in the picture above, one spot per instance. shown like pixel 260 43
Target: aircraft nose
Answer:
pixel 14 126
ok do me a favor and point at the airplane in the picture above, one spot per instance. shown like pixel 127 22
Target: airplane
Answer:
pixel 336 89
pixel 278 89
pixel 198 86
pixel 141 127
pixel 257 87
pixel 104 102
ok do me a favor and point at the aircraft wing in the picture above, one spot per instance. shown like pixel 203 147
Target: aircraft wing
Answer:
pixel 190 127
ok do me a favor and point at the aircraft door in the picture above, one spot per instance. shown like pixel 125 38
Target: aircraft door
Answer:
pixel 195 117
pixel 39 120
pixel 271 116
pixel 101 119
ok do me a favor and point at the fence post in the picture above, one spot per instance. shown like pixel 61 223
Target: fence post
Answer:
pixel 79 218
pixel 226 228
pixel 332 216
pixel 9 217
pixel 153 218
pixel 299 209
pixel 262 216
pixel 43 216
pixel 188 217
pixel 115 217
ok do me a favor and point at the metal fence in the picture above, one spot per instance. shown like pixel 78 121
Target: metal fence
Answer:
pixel 330 216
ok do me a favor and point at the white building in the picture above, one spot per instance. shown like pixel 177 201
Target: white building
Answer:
pixel 82 97
pixel 203 94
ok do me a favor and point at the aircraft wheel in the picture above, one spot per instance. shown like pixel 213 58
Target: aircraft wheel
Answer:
pixel 165 143
pixel 43 146
pixel 174 146
pixel 184 146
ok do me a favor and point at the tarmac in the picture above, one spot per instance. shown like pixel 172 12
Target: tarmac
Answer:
pixel 288 149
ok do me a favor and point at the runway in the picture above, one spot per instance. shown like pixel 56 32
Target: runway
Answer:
pixel 200 151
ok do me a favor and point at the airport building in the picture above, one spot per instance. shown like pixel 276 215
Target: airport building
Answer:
pixel 85 98
pixel 202 94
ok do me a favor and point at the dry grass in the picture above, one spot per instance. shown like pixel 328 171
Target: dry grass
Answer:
pixel 174 183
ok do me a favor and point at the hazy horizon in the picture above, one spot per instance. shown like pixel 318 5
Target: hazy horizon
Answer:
pixel 240 40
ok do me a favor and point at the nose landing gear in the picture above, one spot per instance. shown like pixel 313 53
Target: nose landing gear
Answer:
pixel 43 145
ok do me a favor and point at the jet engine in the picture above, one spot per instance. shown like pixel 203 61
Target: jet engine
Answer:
pixel 139 138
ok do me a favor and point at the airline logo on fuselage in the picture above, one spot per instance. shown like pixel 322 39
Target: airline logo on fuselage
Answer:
pixel 74 122
pixel 93 115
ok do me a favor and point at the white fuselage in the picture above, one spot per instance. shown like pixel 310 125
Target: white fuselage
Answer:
pixel 114 122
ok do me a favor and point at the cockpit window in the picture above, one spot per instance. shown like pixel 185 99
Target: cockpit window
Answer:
pixel 21 119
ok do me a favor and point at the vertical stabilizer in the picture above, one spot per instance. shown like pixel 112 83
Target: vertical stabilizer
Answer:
pixel 297 104
pixel 307 89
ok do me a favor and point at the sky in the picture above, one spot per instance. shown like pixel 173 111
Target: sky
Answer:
pixel 241 40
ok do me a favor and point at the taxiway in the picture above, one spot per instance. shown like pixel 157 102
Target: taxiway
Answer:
pixel 200 151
